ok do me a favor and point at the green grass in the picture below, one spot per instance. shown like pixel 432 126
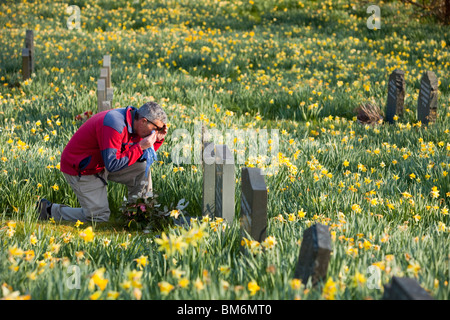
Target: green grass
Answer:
pixel 299 67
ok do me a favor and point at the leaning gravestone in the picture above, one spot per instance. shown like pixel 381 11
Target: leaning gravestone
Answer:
pixel 253 204
pixel 225 184
pixel 427 102
pixel 314 254
pixel 209 179
pixel 405 289
pixel 396 95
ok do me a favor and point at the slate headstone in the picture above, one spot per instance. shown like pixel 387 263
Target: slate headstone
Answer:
pixel 209 179
pixel 26 67
pixel 396 95
pixel 405 289
pixel 314 254
pixel 427 102
pixel 29 44
pixel 225 184
pixel 253 217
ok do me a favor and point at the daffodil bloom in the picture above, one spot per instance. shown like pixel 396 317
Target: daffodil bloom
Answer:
pixel 78 223
pixel 434 192
pixel 165 287
pixel 135 277
pixel 175 213
pixel 295 284
pixel 359 279
pixel 414 268
pixel 112 295
pixel 96 295
pixel 183 283
pixel 269 242
pixel 141 261
pixel 98 279
pixel 199 285
pixel 87 234
pixel 330 289
pixel 253 287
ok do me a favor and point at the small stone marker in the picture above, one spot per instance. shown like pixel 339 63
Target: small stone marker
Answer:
pixel 29 44
pixel 314 255
pixel 253 204
pixel 209 179
pixel 101 95
pixel 225 184
pixel 427 102
pixel 396 95
pixel 405 289
pixel 26 66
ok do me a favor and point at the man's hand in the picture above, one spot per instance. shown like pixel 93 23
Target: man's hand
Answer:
pixel 161 134
pixel 148 141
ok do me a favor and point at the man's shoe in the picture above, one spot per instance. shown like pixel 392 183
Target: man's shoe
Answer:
pixel 43 208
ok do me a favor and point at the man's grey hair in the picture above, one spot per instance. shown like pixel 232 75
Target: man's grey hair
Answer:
pixel 152 111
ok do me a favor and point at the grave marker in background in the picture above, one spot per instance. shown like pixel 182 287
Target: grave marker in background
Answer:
pixel 405 289
pixel 427 101
pixel 396 95
pixel 253 218
pixel 314 255
pixel 26 65
pixel 29 44
pixel 101 95
pixel 225 184
pixel 209 179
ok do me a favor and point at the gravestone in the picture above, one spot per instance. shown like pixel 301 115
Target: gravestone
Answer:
pixel 253 218
pixel 101 95
pixel 225 184
pixel 405 289
pixel 314 254
pixel 107 66
pixel 29 44
pixel 427 102
pixel 104 75
pixel 110 96
pixel 396 95
pixel 209 179
pixel 26 66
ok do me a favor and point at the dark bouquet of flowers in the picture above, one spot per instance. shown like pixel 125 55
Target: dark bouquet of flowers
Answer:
pixel 146 214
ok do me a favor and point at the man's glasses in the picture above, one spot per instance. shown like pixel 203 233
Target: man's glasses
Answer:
pixel 157 128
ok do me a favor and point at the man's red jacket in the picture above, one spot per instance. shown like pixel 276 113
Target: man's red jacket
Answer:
pixel 106 140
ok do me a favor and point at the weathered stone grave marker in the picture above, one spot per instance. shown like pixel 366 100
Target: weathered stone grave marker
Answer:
pixel 427 102
pixel 405 289
pixel 29 44
pixel 225 184
pixel 105 93
pixel 396 95
pixel 314 254
pixel 209 179
pixel 253 217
